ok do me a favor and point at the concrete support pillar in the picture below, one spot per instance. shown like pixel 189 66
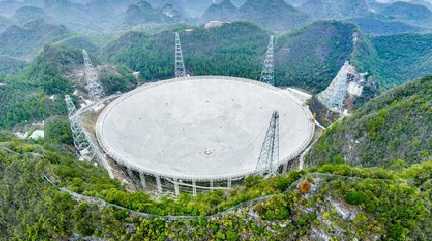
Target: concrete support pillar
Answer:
pixel 229 183
pixel 176 188
pixel 158 184
pixel 211 185
pixel 142 180
pixel 194 189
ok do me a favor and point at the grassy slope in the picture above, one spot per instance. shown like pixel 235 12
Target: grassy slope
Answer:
pixel 395 125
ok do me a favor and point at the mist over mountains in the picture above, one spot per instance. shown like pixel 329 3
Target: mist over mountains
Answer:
pixel 277 15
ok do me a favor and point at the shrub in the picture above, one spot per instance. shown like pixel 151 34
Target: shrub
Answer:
pixel 355 198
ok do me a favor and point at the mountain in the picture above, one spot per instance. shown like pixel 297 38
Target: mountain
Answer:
pixel 142 12
pixel 37 93
pixel 426 3
pixel 275 15
pixel 79 42
pixel 4 23
pixel 296 3
pixel 309 58
pixel 27 14
pixel 394 126
pixel 89 17
pixel 25 41
pixel 410 12
pixel 222 11
pixel 105 15
pixel 9 65
pixel 75 16
pixel 395 59
pixel 171 12
pixel 102 8
pixel 188 8
pixel 8 7
pixel 335 9
pixel 375 25
pixel 228 50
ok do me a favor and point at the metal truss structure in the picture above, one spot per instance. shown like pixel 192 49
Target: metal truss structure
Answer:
pixel 92 85
pixel 333 97
pixel 82 146
pixel 267 73
pixel 269 155
pixel 180 69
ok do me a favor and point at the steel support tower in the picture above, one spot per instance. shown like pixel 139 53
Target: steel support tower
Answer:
pixel 92 85
pixel 334 95
pixel 267 73
pixel 81 144
pixel 269 155
pixel 180 69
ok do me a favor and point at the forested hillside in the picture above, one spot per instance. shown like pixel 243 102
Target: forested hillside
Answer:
pixel 4 23
pixel 396 59
pixel 309 58
pixel 275 15
pixel 38 91
pixel 9 65
pixel 27 14
pixel 375 25
pixel 225 10
pixel 230 50
pixel 391 130
pixel 335 9
pixel 44 186
pixel 25 97
pixel 410 12
pixel 24 41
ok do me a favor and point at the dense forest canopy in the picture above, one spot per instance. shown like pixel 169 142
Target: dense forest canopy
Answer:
pixel 392 128
pixel 393 205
